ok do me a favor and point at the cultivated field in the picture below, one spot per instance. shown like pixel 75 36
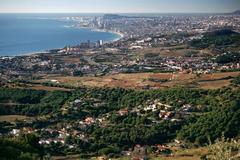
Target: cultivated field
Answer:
pixel 148 80
pixel 13 118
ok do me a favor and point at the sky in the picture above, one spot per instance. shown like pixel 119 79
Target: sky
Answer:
pixel 118 6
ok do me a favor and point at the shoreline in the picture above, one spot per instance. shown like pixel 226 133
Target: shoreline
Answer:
pixel 47 51
pixel 120 34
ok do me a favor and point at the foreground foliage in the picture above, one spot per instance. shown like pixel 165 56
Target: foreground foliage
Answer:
pixel 25 147
pixel 224 149
pixel 215 112
pixel 30 102
pixel 225 119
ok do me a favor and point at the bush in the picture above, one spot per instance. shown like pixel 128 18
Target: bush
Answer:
pixel 236 80
pixel 224 149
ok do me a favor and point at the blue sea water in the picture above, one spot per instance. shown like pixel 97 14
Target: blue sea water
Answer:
pixel 27 33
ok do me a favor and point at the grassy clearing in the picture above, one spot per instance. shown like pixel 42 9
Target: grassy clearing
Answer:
pixel 47 88
pixel 183 154
pixel 140 80
pixel 13 118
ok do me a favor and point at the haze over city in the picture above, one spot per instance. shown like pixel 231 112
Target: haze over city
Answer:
pixel 118 6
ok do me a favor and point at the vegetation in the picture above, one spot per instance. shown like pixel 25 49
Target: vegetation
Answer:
pixel 215 112
pixel 25 147
pixel 30 102
pixel 158 80
pixel 125 131
pixel 151 55
pixel 191 53
pixel 218 39
pixel 21 96
pixel 228 58
pixel 224 149
pixel 236 80
pixel 225 119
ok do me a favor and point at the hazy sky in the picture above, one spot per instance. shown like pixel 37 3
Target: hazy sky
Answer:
pixel 119 6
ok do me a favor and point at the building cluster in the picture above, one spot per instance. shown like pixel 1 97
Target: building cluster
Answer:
pixel 61 135
pixel 96 64
pixel 99 58
pixel 158 23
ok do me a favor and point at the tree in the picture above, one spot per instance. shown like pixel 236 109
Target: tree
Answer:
pixel 225 119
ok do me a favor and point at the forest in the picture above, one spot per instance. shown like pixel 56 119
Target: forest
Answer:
pixel 218 114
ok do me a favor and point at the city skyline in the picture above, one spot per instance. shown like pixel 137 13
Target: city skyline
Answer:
pixel 118 6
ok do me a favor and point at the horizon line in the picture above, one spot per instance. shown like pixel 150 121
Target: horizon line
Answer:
pixel 117 12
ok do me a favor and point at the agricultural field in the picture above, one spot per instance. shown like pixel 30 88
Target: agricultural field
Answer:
pixel 149 80
pixel 13 118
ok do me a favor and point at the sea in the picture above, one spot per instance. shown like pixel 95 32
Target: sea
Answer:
pixel 22 34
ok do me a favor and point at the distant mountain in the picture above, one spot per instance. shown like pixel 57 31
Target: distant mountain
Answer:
pixel 113 16
pixel 236 12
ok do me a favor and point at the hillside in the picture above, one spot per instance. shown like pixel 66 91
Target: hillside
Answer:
pixel 113 122
pixel 217 39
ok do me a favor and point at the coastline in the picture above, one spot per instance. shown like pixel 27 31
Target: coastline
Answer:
pixel 46 51
pixel 28 53
pixel 120 34
pixel 113 36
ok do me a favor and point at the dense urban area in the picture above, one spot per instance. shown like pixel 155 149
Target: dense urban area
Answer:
pixel 169 88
